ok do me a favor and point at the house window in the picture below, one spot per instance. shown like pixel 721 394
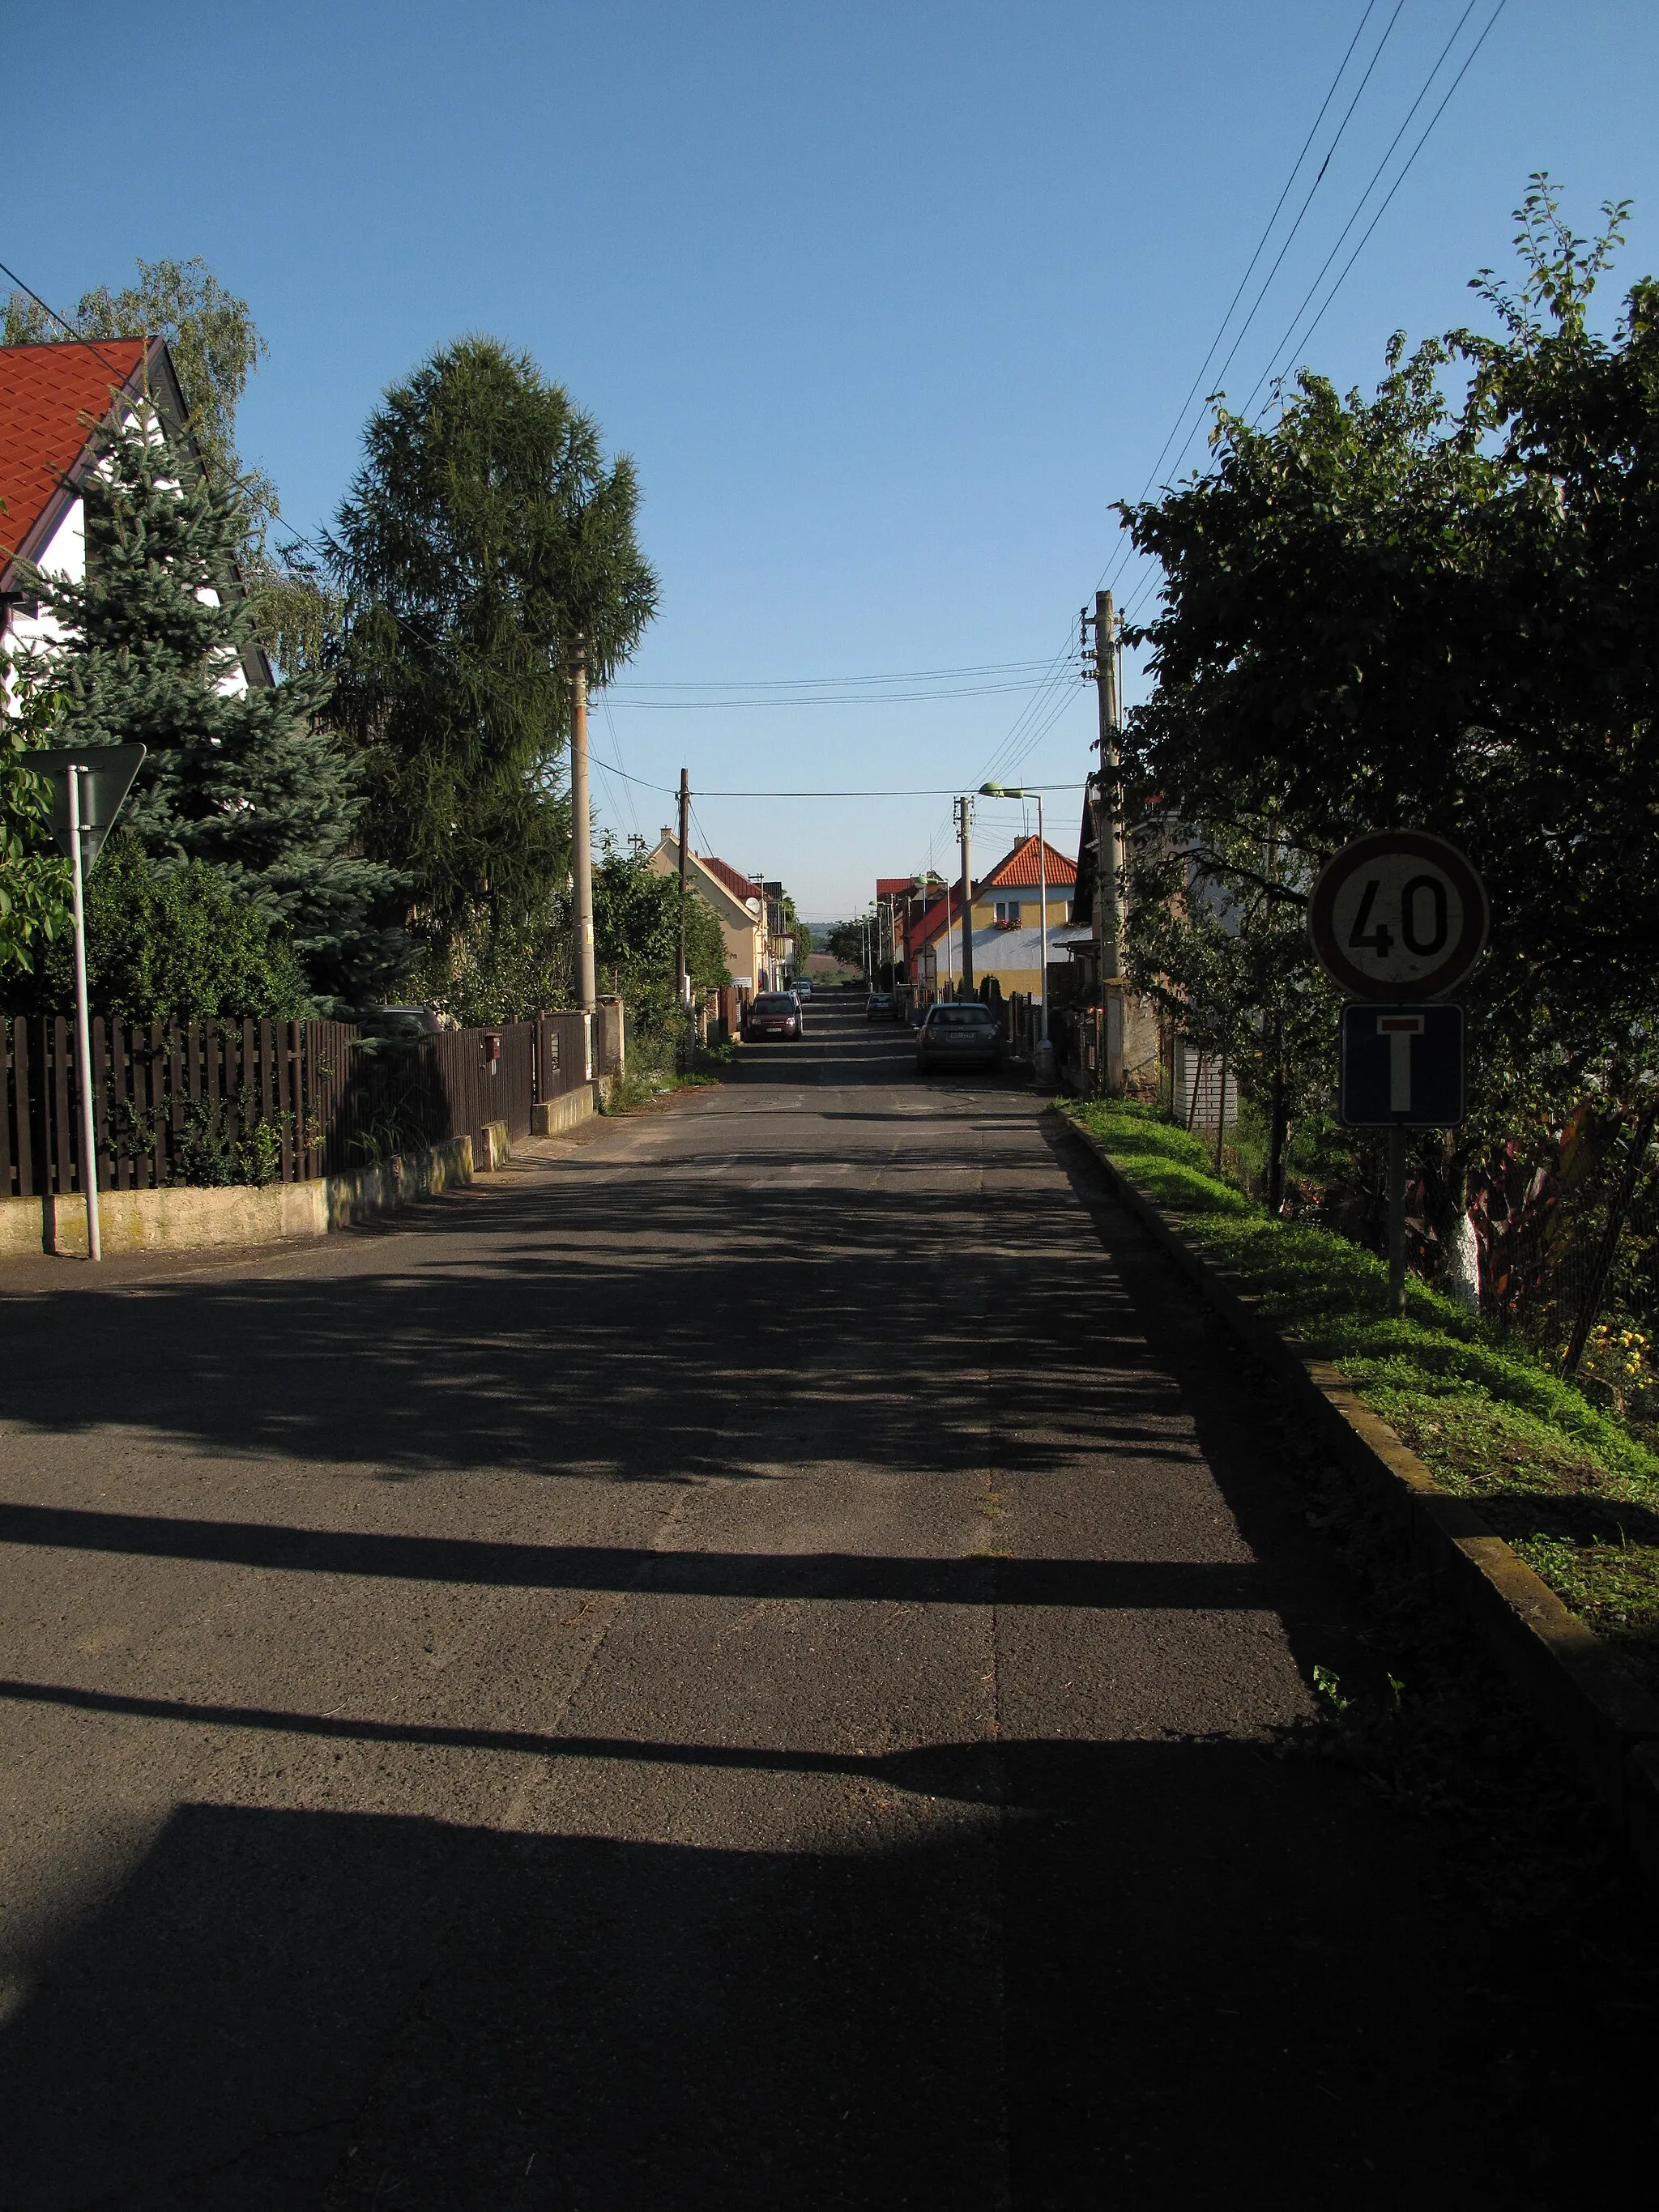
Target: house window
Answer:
pixel 1007 914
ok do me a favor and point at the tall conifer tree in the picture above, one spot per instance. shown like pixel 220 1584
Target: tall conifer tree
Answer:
pixel 158 645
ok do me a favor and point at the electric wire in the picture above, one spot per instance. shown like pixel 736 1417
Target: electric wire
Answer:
pixel 814 683
pixel 1285 345
pixel 1382 210
pixel 624 696
pixel 1290 235
pixel 1286 244
pixel 1113 567
pixel 1377 175
pixel 616 747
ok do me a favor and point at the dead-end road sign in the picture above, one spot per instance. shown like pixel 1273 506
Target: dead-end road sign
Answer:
pixel 1403 1067
pixel 1398 916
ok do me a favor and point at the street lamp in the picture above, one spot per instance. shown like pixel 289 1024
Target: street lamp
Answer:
pixel 1014 791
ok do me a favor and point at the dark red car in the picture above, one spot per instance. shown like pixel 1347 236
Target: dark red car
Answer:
pixel 776 1014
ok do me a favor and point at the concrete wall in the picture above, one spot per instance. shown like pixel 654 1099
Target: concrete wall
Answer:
pixel 236 1216
pixel 553 1114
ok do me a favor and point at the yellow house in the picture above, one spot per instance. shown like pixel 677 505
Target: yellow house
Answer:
pixel 1009 930
pixel 755 958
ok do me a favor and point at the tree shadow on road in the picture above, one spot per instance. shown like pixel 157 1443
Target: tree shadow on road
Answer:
pixel 1159 1974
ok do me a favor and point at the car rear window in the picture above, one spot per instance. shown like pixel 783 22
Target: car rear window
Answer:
pixel 774 1002
pixel 962 1018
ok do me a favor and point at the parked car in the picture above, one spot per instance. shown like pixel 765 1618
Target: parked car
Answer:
pixel 883 1006
pixel 802 988
pixel 400 1022
pixel 776 1013
pixel 962 1035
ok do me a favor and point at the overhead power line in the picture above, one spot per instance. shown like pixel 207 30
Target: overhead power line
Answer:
pixel 1382 210
pixel 623 695
pixel 827 683
pixel 1113 567
pixel 1290 235
pixel 1289 345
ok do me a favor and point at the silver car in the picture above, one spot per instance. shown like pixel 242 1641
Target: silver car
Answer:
pixel 960 1035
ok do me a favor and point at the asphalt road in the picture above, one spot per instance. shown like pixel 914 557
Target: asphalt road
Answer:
pixel 735 1663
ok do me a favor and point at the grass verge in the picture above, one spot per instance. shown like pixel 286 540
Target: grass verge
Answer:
pixel 1574 1492
pixel 634 1093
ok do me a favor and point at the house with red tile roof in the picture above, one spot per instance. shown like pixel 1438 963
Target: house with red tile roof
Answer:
pixel 740 906
pixel 1010 932
pixel 54 401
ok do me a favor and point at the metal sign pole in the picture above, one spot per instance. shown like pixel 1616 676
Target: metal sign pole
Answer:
pixel 1397 1220
pixel 83 1023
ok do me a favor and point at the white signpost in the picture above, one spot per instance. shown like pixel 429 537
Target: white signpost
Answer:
pixel 89 783
pixel 1398 919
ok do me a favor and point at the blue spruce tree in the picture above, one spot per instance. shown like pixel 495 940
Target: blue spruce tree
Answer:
pixel 243 773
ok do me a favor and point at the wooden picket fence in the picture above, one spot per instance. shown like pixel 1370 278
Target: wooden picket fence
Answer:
pixel 263 1102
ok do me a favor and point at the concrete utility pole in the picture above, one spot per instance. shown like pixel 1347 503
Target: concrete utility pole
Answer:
pixel 964 825
pixel 1109 840
pixel 1044 1053
pixel 681 977
pixel 581 825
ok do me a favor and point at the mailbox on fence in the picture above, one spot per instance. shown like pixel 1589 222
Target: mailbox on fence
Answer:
pixel 492 1049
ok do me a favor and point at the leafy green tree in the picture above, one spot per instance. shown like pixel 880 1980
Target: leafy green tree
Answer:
pixel 483 534
pixel 1408 611
pixel 35 894
pixel 636 933
pixel 501 971
pixel 240 776
pixel 1217 937
pixel 1442 611
pixel 847 941
pixel 170 944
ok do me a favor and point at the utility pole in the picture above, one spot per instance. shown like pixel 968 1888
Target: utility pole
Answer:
pixel 964 807
pixel 1044 1053
pixel 681 977
pixel 1108 838
pixel 581 825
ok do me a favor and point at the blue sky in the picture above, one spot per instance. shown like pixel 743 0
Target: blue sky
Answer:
pixel 888 302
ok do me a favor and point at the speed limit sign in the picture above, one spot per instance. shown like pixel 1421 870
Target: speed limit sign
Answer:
pixel 1399 915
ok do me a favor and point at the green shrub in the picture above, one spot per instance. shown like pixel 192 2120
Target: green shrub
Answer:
pixel 170 942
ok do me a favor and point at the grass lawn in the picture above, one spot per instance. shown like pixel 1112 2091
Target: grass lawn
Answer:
pixel 1574 1492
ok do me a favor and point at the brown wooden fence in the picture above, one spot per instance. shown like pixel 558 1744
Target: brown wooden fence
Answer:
pixel 561 1054
pixel 263 1102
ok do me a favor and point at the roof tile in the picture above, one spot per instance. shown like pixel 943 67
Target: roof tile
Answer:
pixel 742 888
pixel 49 397
pixel 1019 871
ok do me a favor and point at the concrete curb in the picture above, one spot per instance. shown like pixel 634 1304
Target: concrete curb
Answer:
pixel 1569 1677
